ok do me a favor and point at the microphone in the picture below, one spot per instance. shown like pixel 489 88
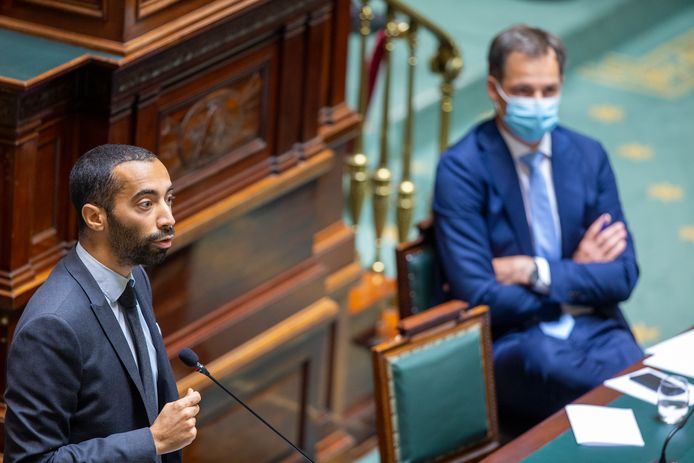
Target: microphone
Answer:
pixel 191 359
pixel 671 434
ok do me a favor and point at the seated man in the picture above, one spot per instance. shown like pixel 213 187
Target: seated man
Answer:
pixel 528 221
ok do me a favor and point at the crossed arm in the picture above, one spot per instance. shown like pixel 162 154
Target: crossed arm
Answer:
pixel 601 271
pixel 603 242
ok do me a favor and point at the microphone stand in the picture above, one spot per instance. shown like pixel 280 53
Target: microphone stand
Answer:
pixel 200 368
pixel 671 434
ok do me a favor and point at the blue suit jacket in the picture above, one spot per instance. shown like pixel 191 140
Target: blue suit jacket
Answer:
pixel 73 389
pixel 479 215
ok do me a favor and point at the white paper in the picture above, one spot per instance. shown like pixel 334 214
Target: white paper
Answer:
pixel 627 386
pixel 674 361
pixel 682 342
pixel 674 354
pixel 604 426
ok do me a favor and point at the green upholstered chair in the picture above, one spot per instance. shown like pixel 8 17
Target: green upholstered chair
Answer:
pixel 420 285
pixel 434 391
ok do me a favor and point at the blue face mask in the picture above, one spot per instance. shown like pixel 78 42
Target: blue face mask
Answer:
pixel 530 118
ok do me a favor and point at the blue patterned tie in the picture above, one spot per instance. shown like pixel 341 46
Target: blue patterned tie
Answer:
pixel 547 242
pixel 544 234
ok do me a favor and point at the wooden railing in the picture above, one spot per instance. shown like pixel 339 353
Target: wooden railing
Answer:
pixel 402 23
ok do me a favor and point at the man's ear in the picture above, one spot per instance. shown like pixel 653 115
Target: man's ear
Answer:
pixel 94 216
pixel 491 90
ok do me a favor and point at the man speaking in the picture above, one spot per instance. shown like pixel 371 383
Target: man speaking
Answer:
pixel 88 379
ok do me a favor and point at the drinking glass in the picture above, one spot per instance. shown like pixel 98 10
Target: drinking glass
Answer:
pixel 673 399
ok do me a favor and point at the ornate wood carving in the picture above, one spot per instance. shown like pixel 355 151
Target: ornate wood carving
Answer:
pixel 215 133
pixel 212 127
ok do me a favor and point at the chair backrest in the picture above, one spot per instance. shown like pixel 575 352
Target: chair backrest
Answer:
pixel 420 285
pixel 434 391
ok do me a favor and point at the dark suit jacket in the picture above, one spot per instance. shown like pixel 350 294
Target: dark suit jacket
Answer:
pixel 73 389
pixel 479 215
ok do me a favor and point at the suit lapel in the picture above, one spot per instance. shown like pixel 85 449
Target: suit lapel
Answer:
pixel 502 172
pixel 109 324
pixel 568 189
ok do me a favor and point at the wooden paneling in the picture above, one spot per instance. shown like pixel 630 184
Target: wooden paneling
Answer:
pixel 89 8
pixel 290 356
pixel 213 128
pixel 229 284
pixel 317 23
pixel 110 23
pixel 149 7
pixel 52 221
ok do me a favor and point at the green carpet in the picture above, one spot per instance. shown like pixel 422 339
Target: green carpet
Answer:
pixel 638 100
pixel 629 84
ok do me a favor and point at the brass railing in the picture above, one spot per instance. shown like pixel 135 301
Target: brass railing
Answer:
pixel 402 22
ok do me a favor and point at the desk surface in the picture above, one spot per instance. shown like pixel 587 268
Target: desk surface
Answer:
pixel 528 444
pixel 26 58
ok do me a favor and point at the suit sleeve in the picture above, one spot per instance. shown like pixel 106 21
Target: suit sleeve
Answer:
pixel 43 386
pixel 598 284
pixel 462 238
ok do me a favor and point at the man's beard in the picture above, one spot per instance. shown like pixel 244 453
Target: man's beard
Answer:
pixel 132 249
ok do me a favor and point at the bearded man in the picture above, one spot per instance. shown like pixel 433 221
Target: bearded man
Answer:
pixel 88 378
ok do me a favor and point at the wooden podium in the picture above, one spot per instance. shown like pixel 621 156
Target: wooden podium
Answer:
pixel 243 100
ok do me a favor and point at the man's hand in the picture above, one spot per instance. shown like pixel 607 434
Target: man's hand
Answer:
pixel 175 428
pixel 513 270
pixel 602 242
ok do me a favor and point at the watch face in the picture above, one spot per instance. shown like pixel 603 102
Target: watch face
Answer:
pixel 534 276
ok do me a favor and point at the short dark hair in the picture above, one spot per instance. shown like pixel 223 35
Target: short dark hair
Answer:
pixel 528 40
pixel 92 180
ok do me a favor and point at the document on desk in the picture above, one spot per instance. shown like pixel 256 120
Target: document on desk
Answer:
pixel 625 385
pixel 673 355
pixel 604 426
pixel 682 342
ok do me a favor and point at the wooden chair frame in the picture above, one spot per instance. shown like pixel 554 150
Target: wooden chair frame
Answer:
pixel 417 331
pixel 424 241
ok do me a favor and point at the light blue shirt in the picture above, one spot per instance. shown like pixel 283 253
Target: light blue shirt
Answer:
pixel 562 328
pixel 518 150
pixel 112 285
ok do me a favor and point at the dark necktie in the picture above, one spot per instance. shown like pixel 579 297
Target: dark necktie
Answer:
pixel 128 302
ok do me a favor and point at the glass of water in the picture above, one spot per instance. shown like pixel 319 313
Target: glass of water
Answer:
pixel 673 399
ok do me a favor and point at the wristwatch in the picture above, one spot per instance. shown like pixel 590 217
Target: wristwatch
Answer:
pixel 534 275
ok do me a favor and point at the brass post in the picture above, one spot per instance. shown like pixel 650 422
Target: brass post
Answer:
pixel 357 162
pixel 446 108
pixel 406 189
pixel 381 194
pixel 449 64
pixel 382 176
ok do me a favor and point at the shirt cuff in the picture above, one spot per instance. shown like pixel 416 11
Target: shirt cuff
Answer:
pixel 544 277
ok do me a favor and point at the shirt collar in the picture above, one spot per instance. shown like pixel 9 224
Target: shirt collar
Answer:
pixel 519 149
pixel 111 283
